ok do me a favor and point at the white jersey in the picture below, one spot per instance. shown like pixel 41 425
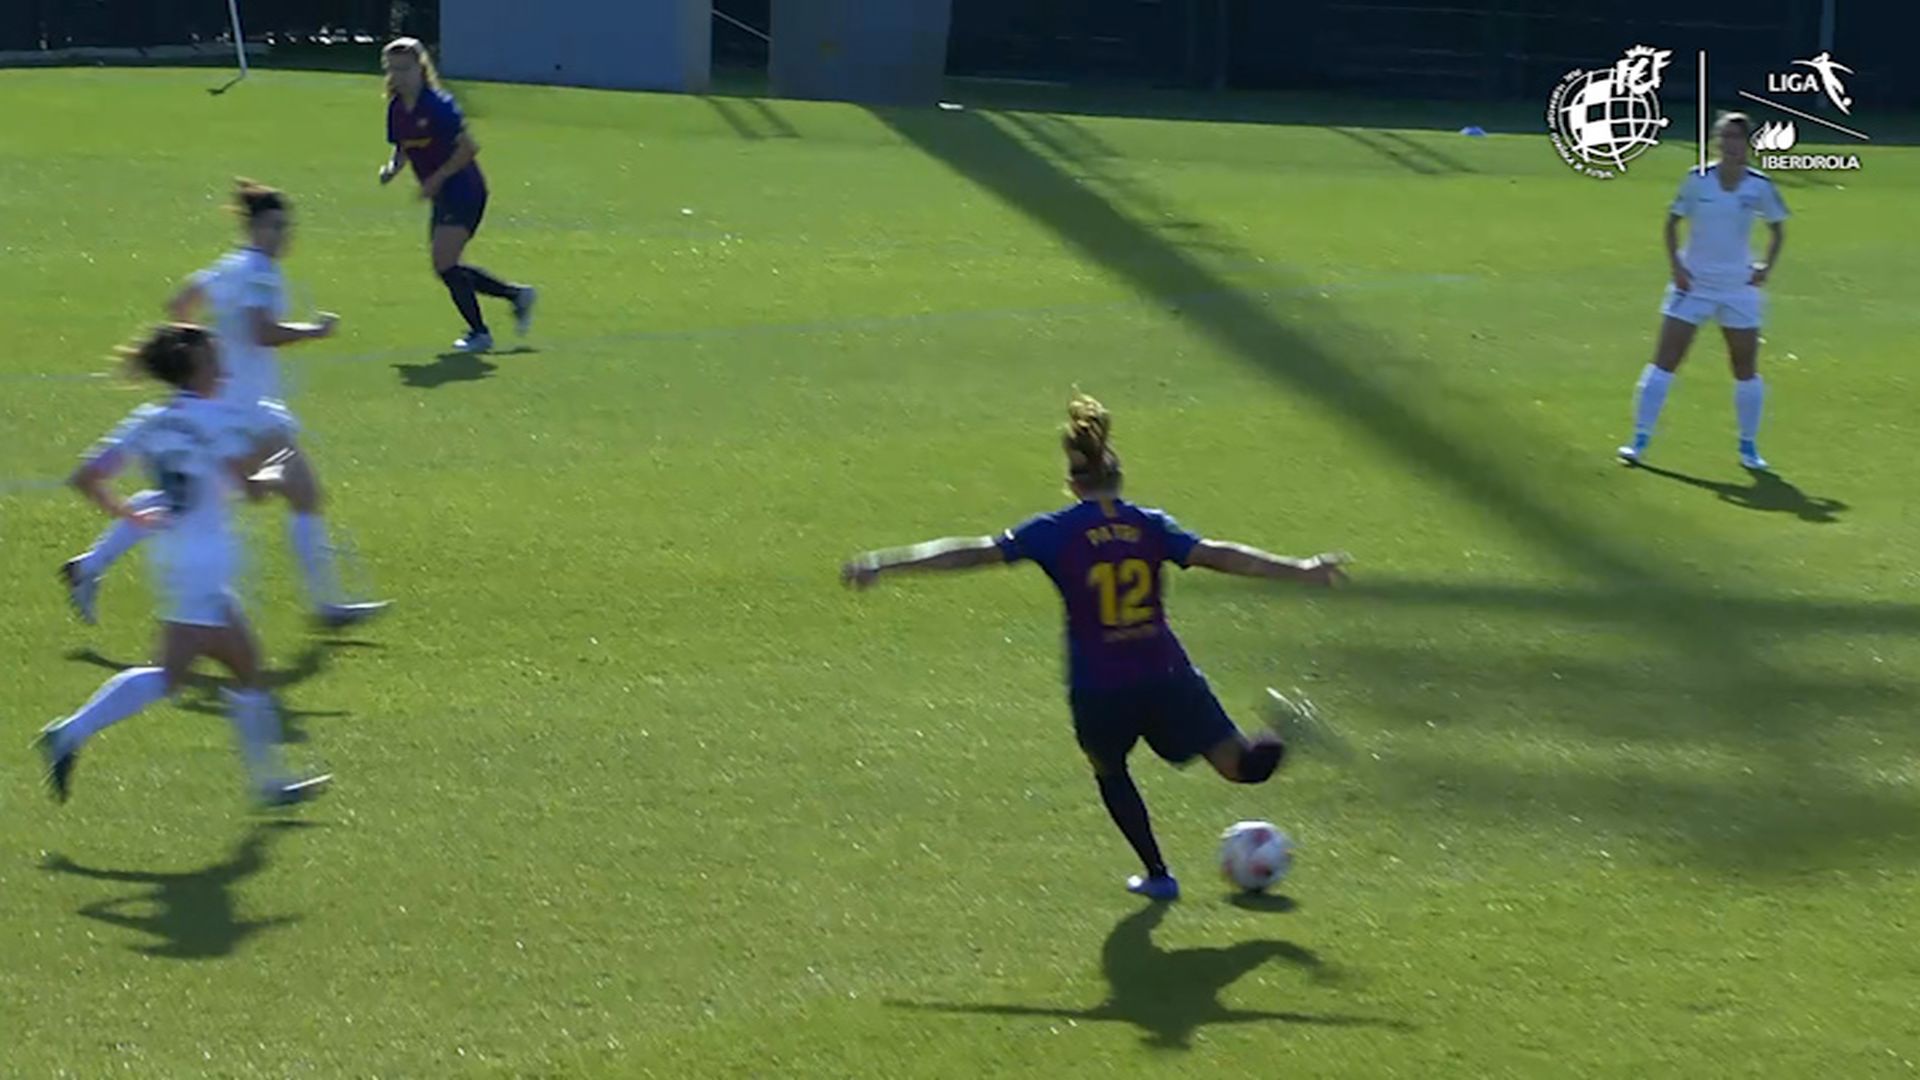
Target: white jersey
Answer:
pixel 1718 254
pixel 186 445
pixel 243 280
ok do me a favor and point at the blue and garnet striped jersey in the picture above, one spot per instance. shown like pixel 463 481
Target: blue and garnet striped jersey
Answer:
pixel 1105 556
pixel 428 134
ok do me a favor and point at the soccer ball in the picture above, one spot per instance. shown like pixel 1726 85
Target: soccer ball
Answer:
pixel 1255 855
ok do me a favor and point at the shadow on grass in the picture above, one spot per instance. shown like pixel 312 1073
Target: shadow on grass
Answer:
pixel 751 117
pixel 453 367
pixel 1721 648
pixel 1169 995
pixel 1413 155
pixel 191 915
pixel 1767 492
pixel 200 693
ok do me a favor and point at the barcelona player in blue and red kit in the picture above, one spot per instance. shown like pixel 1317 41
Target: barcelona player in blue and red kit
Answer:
pixel 1128 677
pixel 427 129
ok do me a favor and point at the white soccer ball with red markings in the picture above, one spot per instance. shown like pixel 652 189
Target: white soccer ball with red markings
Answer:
pixel 1255 855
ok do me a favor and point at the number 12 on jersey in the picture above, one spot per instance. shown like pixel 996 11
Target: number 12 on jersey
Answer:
pixel 1126 591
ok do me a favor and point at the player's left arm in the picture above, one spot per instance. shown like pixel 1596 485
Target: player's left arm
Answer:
pixel 192 293
pixel 948 553
pixel 272 333
pixel 1776 239
pixel 1773 210
pixel 465 150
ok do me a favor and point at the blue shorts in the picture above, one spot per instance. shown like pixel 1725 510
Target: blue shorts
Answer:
pixel 465 212
pixel 1178 716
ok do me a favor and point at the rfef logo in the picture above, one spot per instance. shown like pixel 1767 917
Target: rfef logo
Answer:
pixel 1602 119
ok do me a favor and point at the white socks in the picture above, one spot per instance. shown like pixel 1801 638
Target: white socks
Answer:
pixel 256 726
pixel 118 698
pixel 1650 394
pixel 1749 398
pixel 309 536
pixel 120 537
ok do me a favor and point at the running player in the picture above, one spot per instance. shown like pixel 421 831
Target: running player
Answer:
pixel 198 449
pixel 1128 677
pixel 247 296
pixel 428 129
pixel 1715 277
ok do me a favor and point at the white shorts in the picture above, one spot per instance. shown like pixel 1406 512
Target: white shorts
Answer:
pixel 196 589
pixel 275 416
pixel 1738 308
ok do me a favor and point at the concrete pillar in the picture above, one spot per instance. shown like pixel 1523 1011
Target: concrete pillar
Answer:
pixel 612 44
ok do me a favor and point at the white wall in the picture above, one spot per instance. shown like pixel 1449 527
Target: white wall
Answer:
pixel 613 44
pixel 878 51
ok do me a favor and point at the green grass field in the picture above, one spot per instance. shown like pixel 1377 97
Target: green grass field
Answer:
pixel 629 786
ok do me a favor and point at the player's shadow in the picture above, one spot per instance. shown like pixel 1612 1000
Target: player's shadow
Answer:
pixel 189 915
pixel 1769 492
pixel 453 367
pixel 200 693
pixel 1169 995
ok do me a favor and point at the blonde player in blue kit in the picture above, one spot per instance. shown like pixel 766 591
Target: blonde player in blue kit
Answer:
pixel 1715 277
pixel 198 449
pixel 1128 677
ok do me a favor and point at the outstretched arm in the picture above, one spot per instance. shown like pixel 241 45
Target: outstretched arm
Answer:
pixel 950 553
pixel 1230 558
pixel 180 307
pixel 273 333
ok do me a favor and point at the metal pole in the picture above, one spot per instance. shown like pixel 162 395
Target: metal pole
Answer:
pixel 240 40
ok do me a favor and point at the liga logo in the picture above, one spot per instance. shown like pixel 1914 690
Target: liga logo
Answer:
pixel 1772 139
pixel 1601 120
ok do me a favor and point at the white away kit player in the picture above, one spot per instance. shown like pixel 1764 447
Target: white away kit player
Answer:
pixel 197 449
pixel 247 297
pixel 1715 277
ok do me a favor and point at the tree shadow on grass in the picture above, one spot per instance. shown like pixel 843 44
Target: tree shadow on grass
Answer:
pixel 1169 995
pixel 190 915
pixel 1063 179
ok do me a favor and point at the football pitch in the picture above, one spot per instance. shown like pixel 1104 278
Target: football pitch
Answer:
pixel 629 786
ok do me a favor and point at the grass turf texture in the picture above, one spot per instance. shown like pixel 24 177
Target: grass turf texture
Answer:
pixel 629 786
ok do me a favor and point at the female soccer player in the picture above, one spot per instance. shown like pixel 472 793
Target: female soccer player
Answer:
pixel 428 129
pixel 247 296
pixel 1715 277
pixel 199 450
pixel 1128 677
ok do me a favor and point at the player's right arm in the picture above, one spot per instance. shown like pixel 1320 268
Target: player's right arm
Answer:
pixel 949 553
pixel 1681 279
pixel 1681 208
pixel 103 463
pixel 392 168
pixel 1228 557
